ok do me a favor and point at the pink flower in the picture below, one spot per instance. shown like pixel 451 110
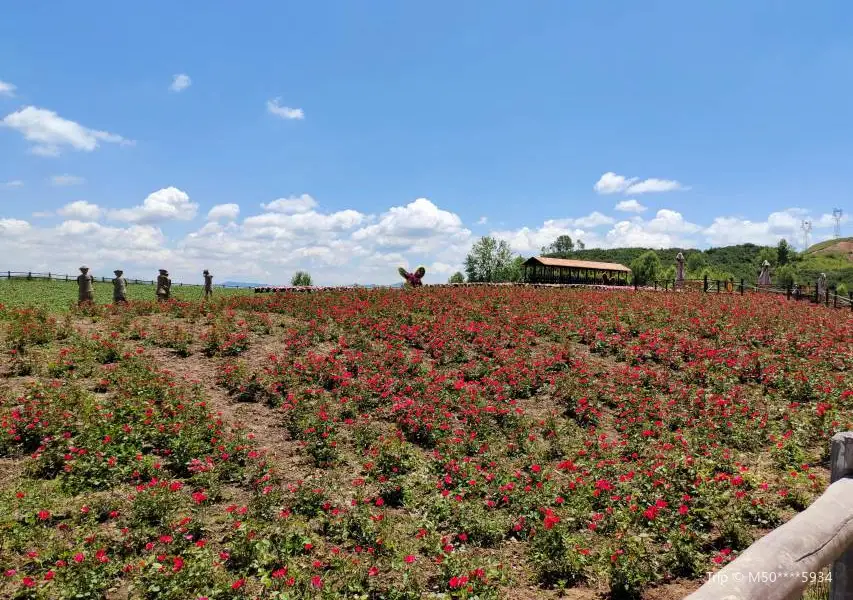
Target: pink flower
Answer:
pixel 317 582
pixel 410 559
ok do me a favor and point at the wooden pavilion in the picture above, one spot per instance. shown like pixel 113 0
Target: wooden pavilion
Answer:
pixel 540 269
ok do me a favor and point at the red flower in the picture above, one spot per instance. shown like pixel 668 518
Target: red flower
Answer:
pixel 28 582
pixel 44 515
pixel 373 571
pixel 177 564
pixel 317 582
pixel 279 573
pixel 49 575
pixel 410 559
pixel 238 584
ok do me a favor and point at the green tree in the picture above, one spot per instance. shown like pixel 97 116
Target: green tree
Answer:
pixel 490 260
pixel 301 278
pixel 580 245
pixel 696 261
pixel 841 290
pixel 668 274
pixel 513 271
pixel 785 276
pixel 771 255
pixel 646 268
pixel 457 277
pixel 783 252
pixel 562 245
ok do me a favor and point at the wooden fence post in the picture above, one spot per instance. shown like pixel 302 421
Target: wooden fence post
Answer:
pixel 827 295
pixel 741 287
pixel 841 463
pixel 705 285
pixel 788 292
pixel 48 275
pixel 718 286
pixel 850 297
pixel 835 298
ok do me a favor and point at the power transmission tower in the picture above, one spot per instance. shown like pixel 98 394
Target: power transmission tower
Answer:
pixel 837 213
pixel 807 229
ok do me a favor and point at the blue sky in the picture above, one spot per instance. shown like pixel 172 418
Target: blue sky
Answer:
pixel 397 133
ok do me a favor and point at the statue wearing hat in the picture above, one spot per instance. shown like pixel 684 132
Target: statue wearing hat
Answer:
pixel 119 287
pixel 208 283
pixel 764 275
pixel 413 279
pixel 85 286
pixel 164 286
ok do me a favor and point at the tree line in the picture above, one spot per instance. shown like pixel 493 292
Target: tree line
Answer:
pixel 493 261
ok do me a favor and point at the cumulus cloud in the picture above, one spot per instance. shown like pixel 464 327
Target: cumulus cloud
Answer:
pixel 482 220
pixel 594 219
pixel 284 112
pixel 81 210
pixel 50 133
pixel 166 204
pixel 420 225
pixel 180 82
pixel 13 228
pixel 630 206
pixel 7 89
pixel 223 212
pixel 291 205
pixel 611 183
pixel 15 183
pixel 781 224
pixel 62 180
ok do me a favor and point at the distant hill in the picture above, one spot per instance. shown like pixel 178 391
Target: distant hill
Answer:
pixel 743 261
pixel 243 284
pixel 840 247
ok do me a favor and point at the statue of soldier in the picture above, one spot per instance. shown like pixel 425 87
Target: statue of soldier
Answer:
pixel 119 288
pixel 85 286
pixel 164 286
pixel 208 284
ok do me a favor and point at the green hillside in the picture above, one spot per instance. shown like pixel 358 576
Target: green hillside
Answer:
pixel 742 261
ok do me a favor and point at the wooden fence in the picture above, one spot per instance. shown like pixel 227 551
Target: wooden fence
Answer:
pixel 30 275
pixel 784 562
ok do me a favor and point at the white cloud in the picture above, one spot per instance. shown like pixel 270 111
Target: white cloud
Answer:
pixel 419 225
pixel 15 183
pixel 594 219
pixel 285 112
pixel 163 205
pixel 785 224
pixel 611 183
pixel 226 212
pixel 50 133
pixel 13 228
pixel 85 211
pixel 630 206
pixel 291 205
pixel 180 82
pixel 654 185
pixel 61 180
pixel 7 89
pixel 482 221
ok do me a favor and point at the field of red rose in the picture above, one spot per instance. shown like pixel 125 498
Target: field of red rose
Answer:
pixel 448 443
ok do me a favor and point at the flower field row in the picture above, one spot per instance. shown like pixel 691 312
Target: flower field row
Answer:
pixel 460 443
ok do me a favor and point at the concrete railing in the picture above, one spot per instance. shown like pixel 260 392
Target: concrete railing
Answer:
pixel 784 562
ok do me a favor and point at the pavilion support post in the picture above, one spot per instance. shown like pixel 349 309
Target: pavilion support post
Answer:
pixel 841 464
